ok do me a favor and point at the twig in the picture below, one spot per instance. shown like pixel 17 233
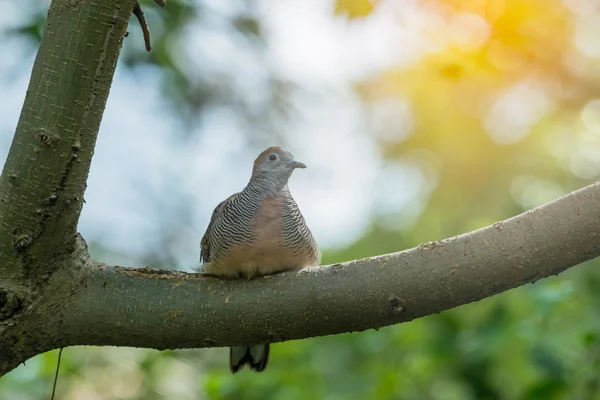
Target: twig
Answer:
pixel 137 11
pixel 56 374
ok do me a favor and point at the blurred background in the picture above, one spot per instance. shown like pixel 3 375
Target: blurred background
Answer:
pixel 418 120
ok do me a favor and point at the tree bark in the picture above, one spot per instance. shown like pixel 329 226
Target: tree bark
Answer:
pixel 44 177
pixel 52 294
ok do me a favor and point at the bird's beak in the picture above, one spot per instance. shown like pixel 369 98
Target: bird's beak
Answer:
pixel 296 164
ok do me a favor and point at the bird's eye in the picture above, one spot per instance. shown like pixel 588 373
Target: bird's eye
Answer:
pixel 272 157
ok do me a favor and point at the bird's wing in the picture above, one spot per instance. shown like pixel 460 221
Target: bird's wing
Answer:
pixel 205 242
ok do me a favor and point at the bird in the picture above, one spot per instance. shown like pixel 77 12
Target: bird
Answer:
pixel 256 232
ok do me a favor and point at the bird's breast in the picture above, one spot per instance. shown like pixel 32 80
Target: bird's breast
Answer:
pixel 268 252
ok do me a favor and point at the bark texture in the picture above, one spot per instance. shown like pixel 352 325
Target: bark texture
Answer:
pixel 44 176
pixel 52 294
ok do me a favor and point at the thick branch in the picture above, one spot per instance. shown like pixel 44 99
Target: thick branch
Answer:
pixel 44 177
pixel 169 310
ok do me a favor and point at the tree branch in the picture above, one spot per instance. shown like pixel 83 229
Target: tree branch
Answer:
pixel 44 177
pixel 160 309
pixel 139 14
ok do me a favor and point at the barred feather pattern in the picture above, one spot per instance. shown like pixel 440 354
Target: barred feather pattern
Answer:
pixel 233 220
pixel 231 224
pixel 297 236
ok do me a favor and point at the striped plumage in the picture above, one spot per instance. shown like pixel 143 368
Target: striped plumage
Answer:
pixel 259 231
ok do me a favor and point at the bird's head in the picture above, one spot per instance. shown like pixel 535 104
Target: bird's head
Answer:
pixel 276 164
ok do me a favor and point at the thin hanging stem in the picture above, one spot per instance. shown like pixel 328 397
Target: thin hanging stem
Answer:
pixel 56 374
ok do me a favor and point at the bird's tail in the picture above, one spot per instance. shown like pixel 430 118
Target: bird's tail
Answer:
pixel 256 357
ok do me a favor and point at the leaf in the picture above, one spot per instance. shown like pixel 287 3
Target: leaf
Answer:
pixel 354 8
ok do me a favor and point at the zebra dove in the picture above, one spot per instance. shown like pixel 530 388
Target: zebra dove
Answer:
pixel 259 231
